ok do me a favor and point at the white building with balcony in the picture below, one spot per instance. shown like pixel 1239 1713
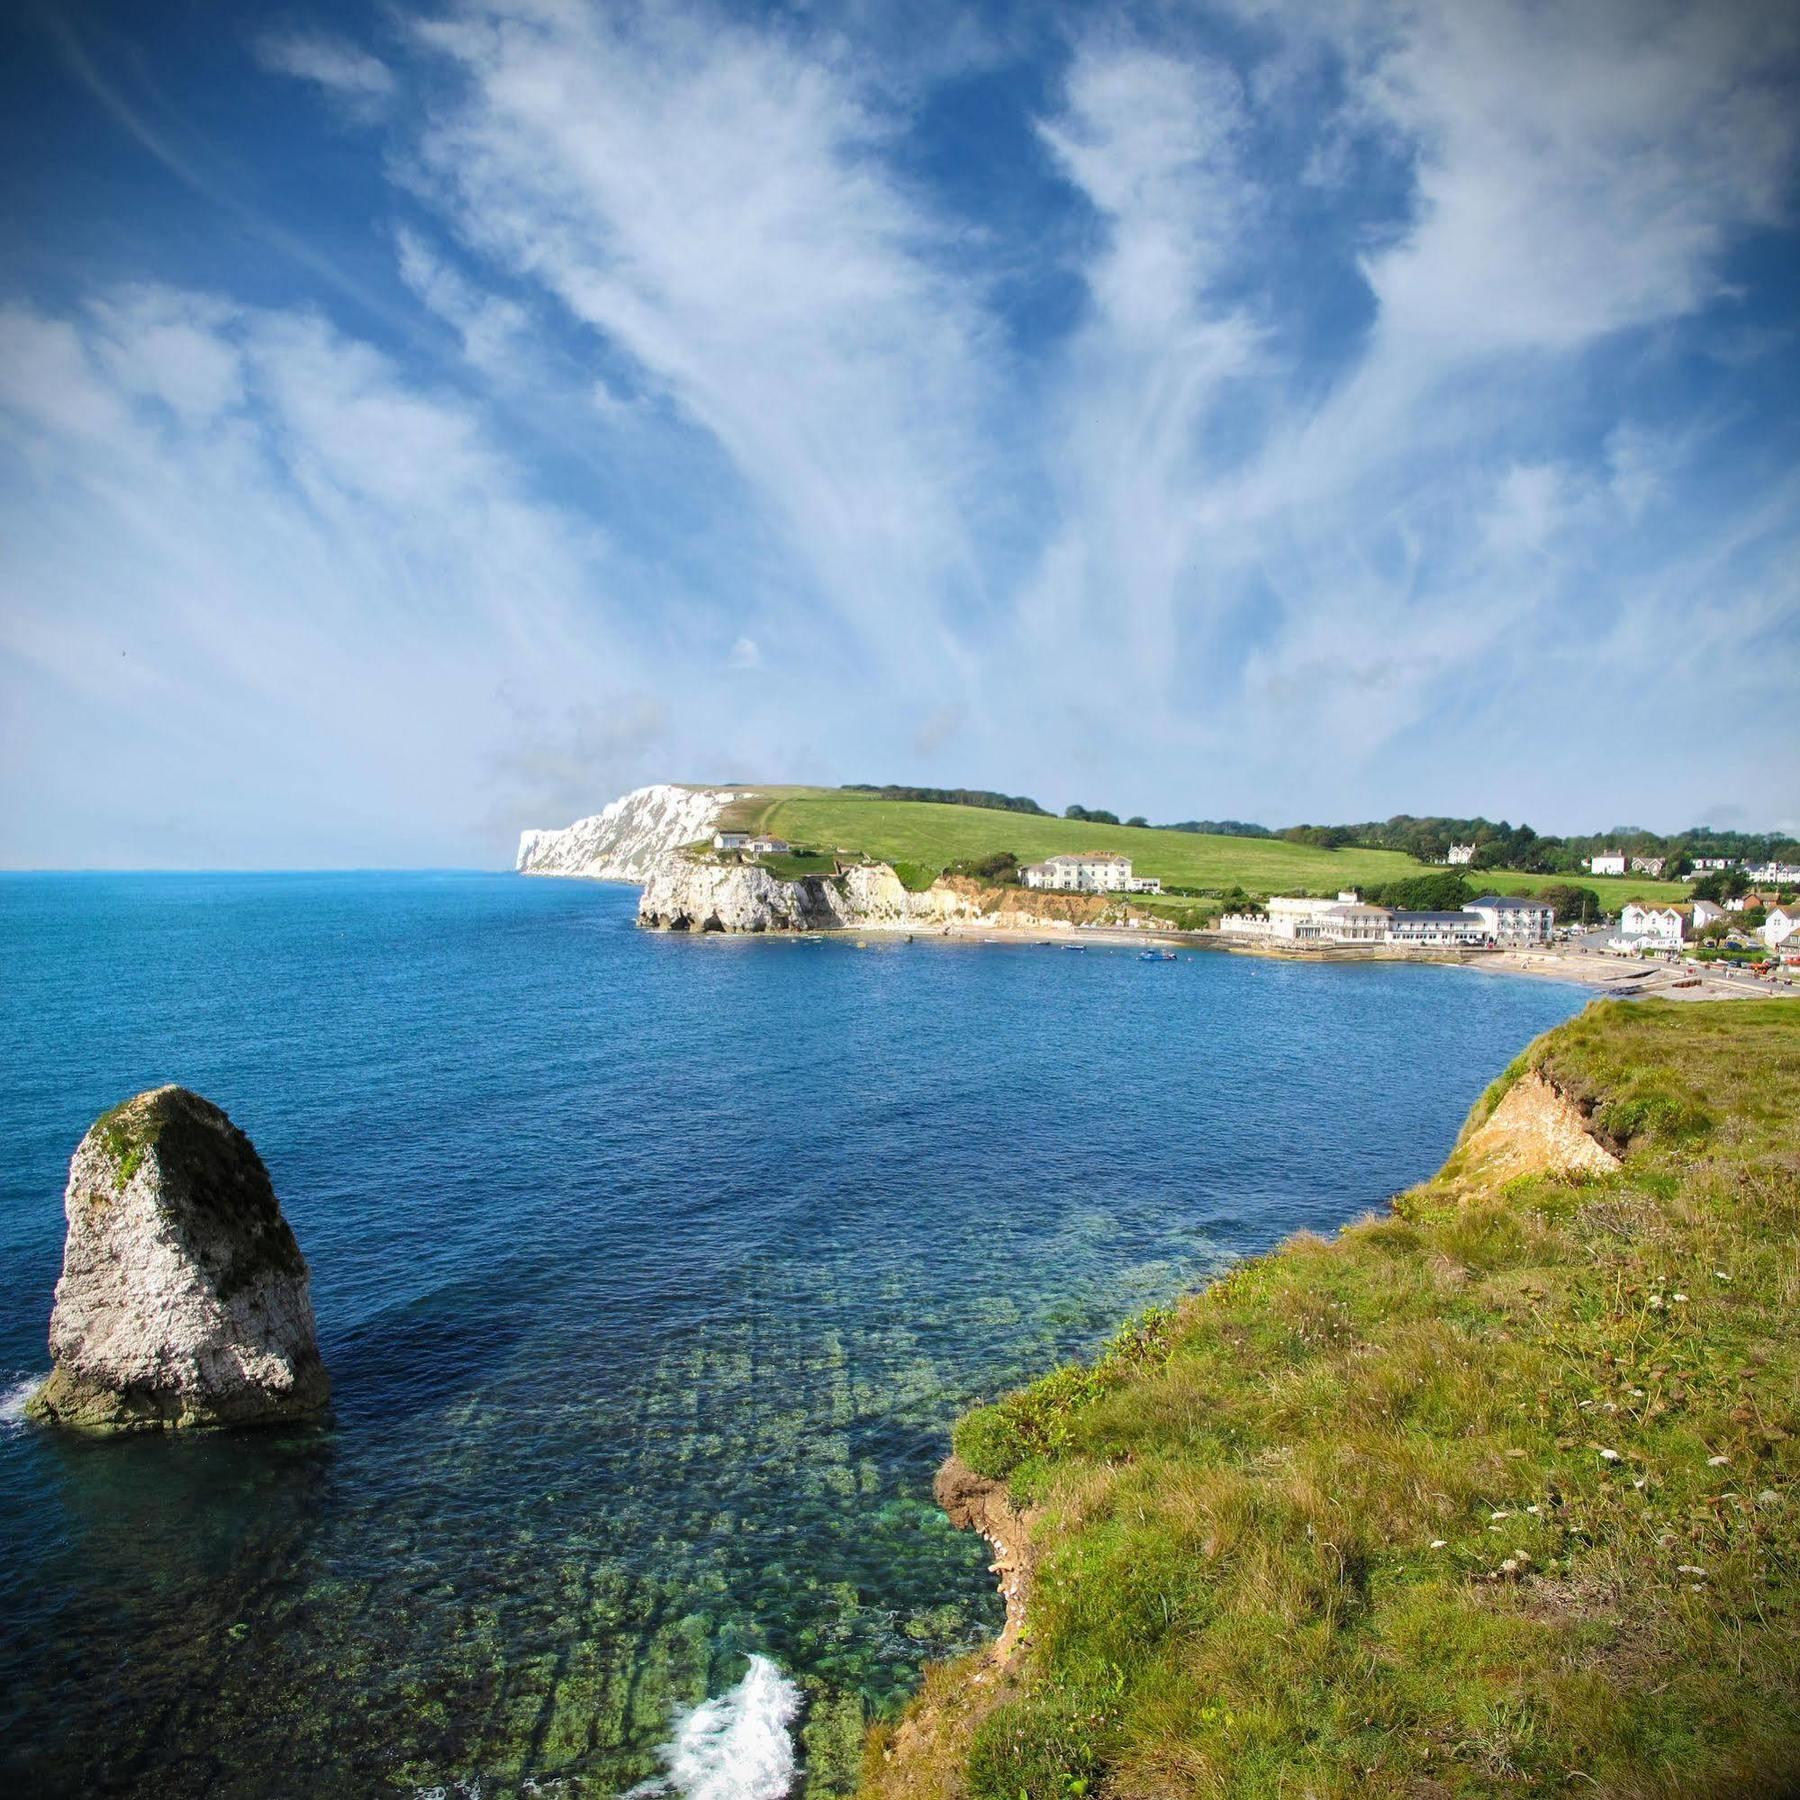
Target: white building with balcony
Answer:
pixel 1437 930
pixel 1514 921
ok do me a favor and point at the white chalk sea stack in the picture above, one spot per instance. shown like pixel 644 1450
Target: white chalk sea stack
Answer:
pixel 183 1300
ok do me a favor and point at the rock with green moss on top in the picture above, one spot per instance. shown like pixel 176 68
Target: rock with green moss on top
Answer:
pixel 183 1300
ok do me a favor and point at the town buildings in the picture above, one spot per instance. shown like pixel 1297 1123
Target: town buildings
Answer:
pixel 1350 922
pixel 1292 918
pixel 730 840
pixel 1437 930
pixel 1088 872
pixel 1652 927
pixel 1648 865
pixel 1780 925
pixel 1460 855
pixel 1513 921
pixel 1606 862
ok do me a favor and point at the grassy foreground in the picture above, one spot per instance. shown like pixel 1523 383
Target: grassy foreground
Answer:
pixel 1492 1494
pixel 931 837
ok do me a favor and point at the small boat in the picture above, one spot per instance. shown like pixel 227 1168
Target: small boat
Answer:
pixel 1156 956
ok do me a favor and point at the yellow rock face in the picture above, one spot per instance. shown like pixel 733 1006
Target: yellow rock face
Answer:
pixel 1535 1130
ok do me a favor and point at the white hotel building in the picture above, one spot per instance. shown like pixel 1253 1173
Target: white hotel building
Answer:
pixel 1505 923
pixel 1089 872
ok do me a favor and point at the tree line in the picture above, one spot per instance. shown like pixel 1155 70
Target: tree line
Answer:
pixel 1018 803
pixel 1498 845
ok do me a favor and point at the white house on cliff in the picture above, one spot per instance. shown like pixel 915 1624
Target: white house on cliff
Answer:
pixel 1088 872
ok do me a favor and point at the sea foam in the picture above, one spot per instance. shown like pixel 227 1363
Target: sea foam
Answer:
pixel 738 1745
pixel 12 1401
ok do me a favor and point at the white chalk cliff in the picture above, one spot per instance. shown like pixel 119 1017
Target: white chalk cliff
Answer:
pixel 653 837
pixel 684 893
pixel 621 842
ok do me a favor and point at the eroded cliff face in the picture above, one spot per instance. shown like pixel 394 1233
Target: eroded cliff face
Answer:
pixel 694 893
pixel 1535 1130
pixel 624 840
pixel 183 1299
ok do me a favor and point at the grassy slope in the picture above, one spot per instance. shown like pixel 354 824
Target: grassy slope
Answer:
pixel 913 831
pixel 1237 1591
pixel 935 836
pixel 1614 890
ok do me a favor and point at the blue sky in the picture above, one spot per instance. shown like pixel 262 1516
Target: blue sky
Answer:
pixel 416 424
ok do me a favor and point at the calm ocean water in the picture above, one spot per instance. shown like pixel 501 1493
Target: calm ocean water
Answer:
pixel 650 1272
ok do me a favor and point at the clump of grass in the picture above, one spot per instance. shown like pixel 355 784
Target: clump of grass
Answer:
pixel 126 1133
pixel 916 877
pixel 1496 1491
pixel 1037 1422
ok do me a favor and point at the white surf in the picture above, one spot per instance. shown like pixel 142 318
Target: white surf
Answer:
pixel 12 1402
pixel 738 1745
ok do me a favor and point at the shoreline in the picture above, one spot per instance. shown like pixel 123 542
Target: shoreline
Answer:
pixel 1543 1122
pixel 1580 968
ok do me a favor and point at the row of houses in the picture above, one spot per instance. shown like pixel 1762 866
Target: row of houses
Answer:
pixel 1491 920
pixel 1786 873
pixel 1618 862
pixel 1650 925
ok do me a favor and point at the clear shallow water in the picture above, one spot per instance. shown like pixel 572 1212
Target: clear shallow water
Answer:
pixel 650 1272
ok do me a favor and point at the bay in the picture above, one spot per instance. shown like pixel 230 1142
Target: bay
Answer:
pixel 651 1272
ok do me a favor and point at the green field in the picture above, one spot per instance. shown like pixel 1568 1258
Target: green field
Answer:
pixel 936 836
pixel 1614 890
pixel 1495 1493
pixel 828 819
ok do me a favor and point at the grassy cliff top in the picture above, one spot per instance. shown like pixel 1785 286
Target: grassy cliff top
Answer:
pixel 934 836
pixel 1493 1493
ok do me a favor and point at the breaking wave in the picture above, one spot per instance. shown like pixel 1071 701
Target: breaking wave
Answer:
pixel 737 1746
pixel 12 1401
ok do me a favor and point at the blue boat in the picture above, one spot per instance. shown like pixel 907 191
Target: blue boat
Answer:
pixel 1156 956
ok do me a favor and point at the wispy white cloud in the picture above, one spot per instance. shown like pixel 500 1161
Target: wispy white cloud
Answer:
pixel 1347 438
pixel 1579 170
pixel 362 82
pixel 1151 142
pixel 238 535
pixel 714 204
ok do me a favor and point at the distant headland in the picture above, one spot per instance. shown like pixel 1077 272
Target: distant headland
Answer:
pixel 740 859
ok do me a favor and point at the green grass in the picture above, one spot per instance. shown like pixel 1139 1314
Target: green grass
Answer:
pixel 1613 890
pixel 803 863
pixel 936 836
pixel 932 837
pixel 1421 1510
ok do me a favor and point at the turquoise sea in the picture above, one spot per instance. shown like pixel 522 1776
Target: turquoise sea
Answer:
pixel 650 1272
